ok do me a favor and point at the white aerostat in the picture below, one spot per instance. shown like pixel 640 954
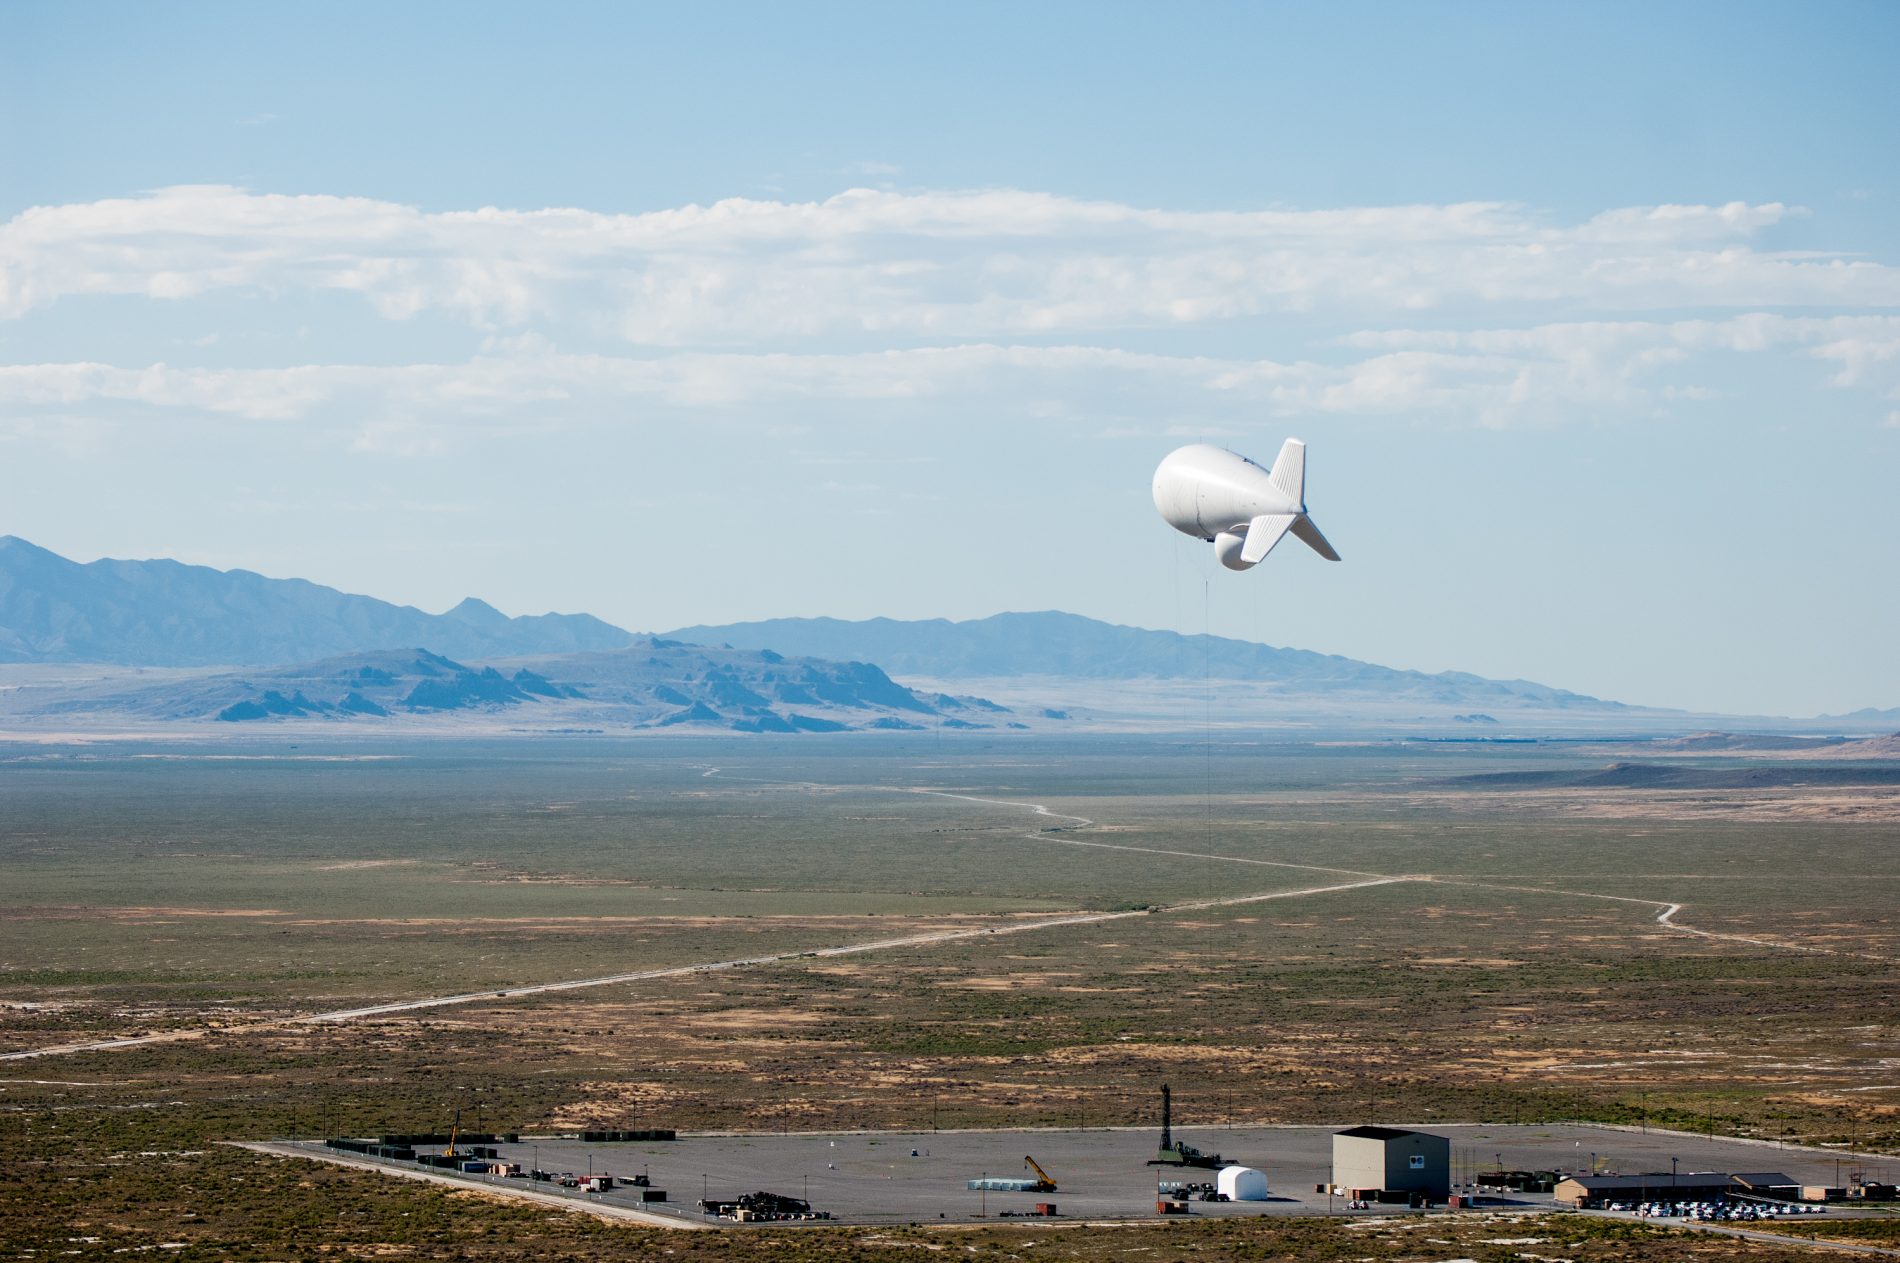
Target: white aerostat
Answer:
pixel 1242 509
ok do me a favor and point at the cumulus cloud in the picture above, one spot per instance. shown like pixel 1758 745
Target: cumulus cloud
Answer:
pixel 534 375
pixel 990 302
pixel 937 265
pixel 1557 358
pixel 1495 377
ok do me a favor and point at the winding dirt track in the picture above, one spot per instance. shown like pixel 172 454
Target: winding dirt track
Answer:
pixel 1061 836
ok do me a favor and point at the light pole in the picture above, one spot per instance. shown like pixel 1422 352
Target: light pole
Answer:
pixel 1672 1184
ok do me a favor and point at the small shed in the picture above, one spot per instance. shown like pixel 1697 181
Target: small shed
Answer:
pixel 1241 1184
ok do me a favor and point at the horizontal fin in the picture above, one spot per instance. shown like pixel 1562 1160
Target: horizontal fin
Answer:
pixel 1304 528
pixel 1262 534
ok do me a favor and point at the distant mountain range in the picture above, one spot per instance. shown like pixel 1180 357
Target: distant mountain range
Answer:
pixel 1073 647
pixel 1869 715
pixel 165 613
pixel 289 649
pixel 651 683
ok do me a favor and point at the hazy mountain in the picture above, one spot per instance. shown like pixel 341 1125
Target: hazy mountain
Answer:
pixel 165 613
pixel 1068 645
pixel 1869 715
pixel 651 683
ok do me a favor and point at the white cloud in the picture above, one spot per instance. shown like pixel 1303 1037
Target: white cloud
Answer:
pixel 1607 360
pixel 535 376
pixel 1492 377
pixel 981 264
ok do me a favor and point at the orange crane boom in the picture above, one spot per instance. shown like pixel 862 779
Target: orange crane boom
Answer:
pixel 1043 1183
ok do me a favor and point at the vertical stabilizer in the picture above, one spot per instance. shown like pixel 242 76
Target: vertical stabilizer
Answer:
pixel 1289 472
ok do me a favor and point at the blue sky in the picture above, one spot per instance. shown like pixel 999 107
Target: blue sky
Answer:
pixel 1589 313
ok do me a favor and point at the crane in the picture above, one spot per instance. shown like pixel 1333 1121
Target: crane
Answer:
pixel 1043 1183
pixel 454 1130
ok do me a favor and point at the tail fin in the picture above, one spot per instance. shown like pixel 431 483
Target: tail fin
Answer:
pixel 1289 472
pixel 1304 528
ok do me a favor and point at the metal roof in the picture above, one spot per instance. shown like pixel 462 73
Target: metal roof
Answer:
pixel 1696 1179
pixel 1379 1133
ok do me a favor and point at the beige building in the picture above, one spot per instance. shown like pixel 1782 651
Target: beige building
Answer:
pixel 1671 1186
pixel 1369 1160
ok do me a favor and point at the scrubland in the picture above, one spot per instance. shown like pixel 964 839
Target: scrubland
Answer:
pixel 1514 967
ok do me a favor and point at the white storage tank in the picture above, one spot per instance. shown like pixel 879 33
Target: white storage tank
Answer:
pixel 1241 1184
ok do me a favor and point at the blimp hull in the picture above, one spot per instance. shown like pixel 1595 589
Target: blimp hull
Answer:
pixel 1242 509
pixel 1204 490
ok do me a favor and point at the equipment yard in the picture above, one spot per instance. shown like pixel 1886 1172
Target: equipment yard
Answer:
pixel 1101 1174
